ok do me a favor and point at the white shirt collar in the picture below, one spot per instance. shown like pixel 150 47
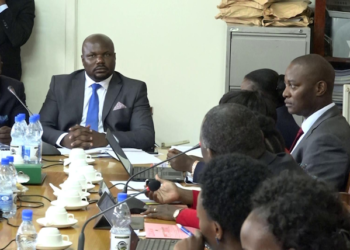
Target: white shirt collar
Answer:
pixel 307 124
pixel 104 83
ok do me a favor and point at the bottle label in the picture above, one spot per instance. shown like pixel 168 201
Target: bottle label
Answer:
pixel 31 153
pixel 6 202
pixel 120 242
pixel 16 150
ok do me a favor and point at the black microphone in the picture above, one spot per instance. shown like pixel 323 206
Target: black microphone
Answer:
pixel 153 185
pixel 12 90
pixel 125 190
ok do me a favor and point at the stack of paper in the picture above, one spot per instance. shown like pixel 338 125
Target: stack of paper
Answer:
pixel 341 77
pixel 266 12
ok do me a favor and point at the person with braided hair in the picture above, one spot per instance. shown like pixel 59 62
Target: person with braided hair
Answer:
pixel 228 182
pixel 293 212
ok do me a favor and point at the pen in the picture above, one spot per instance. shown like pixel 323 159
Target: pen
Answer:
pixel 184 230
pixel 189 234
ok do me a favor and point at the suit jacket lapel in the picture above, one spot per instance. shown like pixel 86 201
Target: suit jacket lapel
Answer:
pixel 114 88
pixel 77 92
pixel 334 111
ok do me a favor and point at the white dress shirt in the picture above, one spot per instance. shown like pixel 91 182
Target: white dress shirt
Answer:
pixel 101 92
pixel 307 124
pixel 3 7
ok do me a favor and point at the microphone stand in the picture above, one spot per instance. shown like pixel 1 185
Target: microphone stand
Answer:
pixel 13 92
pixel 81 241
pixel 125 190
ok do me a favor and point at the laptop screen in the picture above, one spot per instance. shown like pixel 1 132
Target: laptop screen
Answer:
pixel 113 141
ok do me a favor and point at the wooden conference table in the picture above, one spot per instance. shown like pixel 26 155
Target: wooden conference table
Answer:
pixel 94 239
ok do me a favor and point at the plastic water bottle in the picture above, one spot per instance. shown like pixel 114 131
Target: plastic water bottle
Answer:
pixel 13 171
pixel 23 125
pixel 6 193
pixel 26 234
pixel 17 135
pixel 120 232
pixel 14 187
pixel 40 141
pixel 32 153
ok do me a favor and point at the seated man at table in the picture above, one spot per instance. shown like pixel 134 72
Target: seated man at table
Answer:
pixel 227 128
pixel 9 105
pixel 322 147
pixel 81 106
pixel 225 201
pixel 238 131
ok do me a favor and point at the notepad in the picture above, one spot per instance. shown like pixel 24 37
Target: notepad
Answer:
pixel 165 231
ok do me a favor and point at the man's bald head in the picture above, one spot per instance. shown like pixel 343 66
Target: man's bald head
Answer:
pixel 98 57
pixel 316 68
pixel 309 85
pixel 98 38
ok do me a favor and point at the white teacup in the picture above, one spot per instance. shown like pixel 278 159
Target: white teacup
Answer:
pixel 56 215
pixel 76 164
pixel 72 198
pixel 92 175
pixel 73 185
pixel 78 153
pixel 78 177
pixel 51 236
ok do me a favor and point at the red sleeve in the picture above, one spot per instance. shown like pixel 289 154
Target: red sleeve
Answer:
pixel 195 197
pixel 188 218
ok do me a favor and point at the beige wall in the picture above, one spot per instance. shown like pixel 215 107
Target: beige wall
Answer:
pixel 176 47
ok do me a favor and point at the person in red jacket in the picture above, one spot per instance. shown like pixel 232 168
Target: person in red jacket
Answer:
pixel 224 202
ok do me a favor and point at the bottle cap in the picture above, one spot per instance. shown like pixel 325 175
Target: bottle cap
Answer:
pixel 122 197
pixel 32 119
pixel 10 158
pixel 38 116
pixel 22 116
pixel 17 118
pixel 4 161
pixel 27 215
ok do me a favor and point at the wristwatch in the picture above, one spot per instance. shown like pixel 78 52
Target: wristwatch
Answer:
pixel 177 212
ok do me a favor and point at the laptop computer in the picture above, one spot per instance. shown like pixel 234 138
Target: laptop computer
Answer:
pixel 163 172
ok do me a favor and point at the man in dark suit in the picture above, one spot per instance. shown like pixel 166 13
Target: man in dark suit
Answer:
pixel 80 107
pixel 16 24
pixel 322 147
pixel 9 106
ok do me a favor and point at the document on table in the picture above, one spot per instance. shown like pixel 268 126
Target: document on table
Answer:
pixel 137 157
pixel 165 231
pixel 139 185
pixel 101 150
pixel 197 152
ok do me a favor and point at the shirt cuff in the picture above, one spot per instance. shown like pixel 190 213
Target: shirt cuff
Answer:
pixel 194 165
pixel 3 7
pixel 58 142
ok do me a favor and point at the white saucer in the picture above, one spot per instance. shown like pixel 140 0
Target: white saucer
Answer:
pixel 97 180
pixel 65 245
pixel 90 186
pixel 82 204
pixel 86 194
pixel 42 222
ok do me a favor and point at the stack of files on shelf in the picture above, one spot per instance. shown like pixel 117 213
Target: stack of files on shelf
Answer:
pixel 286 13
pixel 341 77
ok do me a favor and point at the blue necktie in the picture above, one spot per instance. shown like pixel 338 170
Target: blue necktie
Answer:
pixel 92 114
